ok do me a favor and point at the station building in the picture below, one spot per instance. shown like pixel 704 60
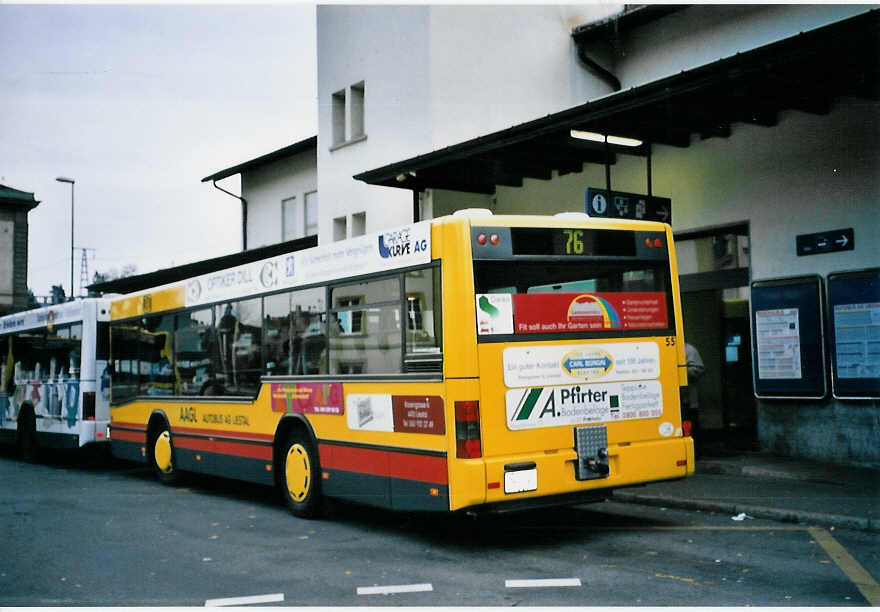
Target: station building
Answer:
pixel 755 128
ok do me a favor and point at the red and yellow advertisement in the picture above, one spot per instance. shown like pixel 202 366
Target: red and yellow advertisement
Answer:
pixel 538 313
pixel 308 398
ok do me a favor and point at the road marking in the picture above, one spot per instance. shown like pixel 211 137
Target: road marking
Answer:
pixel 400 588
pixel 243 601
pixel 542 582
pixel 866 584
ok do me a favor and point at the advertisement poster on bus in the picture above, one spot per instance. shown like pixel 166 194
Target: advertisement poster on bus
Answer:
pixel 552 365
pixel 544 313
pixel 579 405
pixel 409 245
pixel 307 398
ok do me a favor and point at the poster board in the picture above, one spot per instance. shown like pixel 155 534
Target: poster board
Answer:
pixel 788 340
pixel 854 324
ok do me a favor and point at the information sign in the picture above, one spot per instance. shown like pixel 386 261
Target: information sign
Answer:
pixel 621 205
pixel 787 338
pixel 854 312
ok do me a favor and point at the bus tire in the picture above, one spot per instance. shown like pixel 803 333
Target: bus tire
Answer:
pixel 26 441
pixel 301 475
pixel 162 459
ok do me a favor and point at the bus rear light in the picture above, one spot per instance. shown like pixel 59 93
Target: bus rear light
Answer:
pixel 88 409
pixel 481 239
pixel 648 243
pixel 681 463
pixel 467 430
pixel 494 239
pixel 686 427
pixel 658 243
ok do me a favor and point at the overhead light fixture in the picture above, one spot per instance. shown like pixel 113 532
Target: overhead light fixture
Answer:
pixel 615 140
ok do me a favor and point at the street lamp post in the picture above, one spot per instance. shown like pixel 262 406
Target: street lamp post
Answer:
pixel 64 179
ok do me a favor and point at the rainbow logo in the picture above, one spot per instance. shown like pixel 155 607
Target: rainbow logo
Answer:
pixel 586 306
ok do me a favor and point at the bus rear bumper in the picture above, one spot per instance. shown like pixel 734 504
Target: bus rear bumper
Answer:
pixel 553 475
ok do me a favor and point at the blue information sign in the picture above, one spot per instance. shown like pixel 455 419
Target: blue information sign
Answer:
pixel 854 312
pixel 621 205
pixel 788 342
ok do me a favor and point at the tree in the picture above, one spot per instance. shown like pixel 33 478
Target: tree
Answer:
pixel 58 295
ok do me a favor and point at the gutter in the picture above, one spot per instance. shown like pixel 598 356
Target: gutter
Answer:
pixel 243 213
pixel 601 72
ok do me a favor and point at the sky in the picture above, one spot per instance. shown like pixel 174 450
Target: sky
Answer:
pixel 138 103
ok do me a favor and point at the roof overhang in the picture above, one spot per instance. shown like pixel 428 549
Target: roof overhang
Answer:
pixel 288 151
pixel 807 72
pixel 18 200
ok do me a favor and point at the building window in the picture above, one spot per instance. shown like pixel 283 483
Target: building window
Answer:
pixel 311 201
pixel 357 111
pixel 340 229
pixel 338 117
pixel 347 115
pixel 289 224
pixel 359 224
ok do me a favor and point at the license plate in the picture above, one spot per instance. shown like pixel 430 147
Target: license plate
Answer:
pixel 521 481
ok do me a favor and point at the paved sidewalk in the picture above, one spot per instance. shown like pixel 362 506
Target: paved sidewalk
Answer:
pixel 776 488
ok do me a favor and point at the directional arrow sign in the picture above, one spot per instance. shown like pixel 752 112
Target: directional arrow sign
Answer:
pixel 826 242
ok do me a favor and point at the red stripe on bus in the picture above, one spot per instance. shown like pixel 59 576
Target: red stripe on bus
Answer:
pixel 128 436
pixel 395 464
pixel 137 426
pixel 222 447
pixel 244 435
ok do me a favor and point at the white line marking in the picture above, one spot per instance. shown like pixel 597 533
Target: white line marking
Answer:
pixel 243 601
pixel 544 582
pixel 401 588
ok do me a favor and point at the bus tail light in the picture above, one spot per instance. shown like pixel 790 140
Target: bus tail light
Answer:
pixel 686 428
pixel 467 430
pixel 88 406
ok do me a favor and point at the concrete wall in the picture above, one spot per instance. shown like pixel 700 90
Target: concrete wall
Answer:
pixel 386 48
pixel 13 260
pixel 266 186
pixel 434 75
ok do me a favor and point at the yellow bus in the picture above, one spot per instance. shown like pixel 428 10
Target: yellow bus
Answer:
pixel 470 362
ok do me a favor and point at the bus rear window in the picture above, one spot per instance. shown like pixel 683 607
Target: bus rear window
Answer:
pixel 525 298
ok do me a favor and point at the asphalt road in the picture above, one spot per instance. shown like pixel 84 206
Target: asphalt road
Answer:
pixel 84 530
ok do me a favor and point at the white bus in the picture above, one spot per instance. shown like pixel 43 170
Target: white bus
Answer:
pixel 54 384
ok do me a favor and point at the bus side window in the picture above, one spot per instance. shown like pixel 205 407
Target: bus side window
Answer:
pixel 365 330
pixel 294 333
pixel 195 344
pixel 156 356
pixel 239 335
pixel 424 324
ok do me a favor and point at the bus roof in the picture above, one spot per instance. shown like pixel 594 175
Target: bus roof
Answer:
pixel 383 251
pixel 56 314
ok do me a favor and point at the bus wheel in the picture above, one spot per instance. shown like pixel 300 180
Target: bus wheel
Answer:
pixel 162 451
pixel 300 482
pixel 26 440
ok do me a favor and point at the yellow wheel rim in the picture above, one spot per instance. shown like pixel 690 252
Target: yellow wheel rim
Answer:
pixel 162 453
pixel 298 472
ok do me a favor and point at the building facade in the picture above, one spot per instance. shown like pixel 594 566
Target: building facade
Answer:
pixel 14 208
pixel 279 194
pixel 435 108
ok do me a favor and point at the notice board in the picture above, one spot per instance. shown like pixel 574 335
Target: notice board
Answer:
pixel 788 342
pixel 854 316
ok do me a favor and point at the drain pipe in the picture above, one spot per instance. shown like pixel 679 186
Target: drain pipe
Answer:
pixel 243 214
pixel 601 72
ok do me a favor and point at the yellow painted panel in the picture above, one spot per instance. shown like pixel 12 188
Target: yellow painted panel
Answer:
pixel 160 300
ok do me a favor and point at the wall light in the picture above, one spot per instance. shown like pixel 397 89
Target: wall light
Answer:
pixel 615 140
